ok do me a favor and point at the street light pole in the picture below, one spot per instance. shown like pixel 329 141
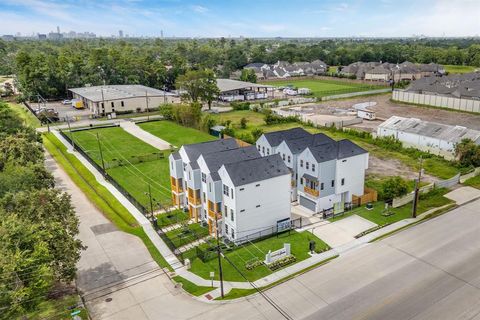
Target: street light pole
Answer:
pixel 417 187
pixel 219 256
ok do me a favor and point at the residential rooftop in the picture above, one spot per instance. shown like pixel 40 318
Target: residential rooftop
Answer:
pixel 215 160
pixel 276 137
pixel 195 150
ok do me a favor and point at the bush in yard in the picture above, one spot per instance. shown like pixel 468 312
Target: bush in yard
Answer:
pixel 243 123
pixel 256 133
pixel 229 132
pixel 240 105
pixel 468 153
pixel 247 137
pixel 250 265
pixel 166 110
pixel 393 187
pixel 280 263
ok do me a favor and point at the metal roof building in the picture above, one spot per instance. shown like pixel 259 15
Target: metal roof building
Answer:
pixel 235 90
pixel 430 136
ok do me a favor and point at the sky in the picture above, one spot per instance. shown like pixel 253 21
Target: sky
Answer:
pixel 234 18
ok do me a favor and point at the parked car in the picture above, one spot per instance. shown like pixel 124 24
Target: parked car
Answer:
pixel 65 102
pixel 48 115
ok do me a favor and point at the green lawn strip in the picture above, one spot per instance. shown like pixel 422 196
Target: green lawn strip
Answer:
pixel 459 69
pixel 25 114
pixel 187 234
pixel 435 166
pixel 432 215
pixel 172 217
pixel 321 88
pixel 191 287
pixel 175 134
pixel 99 195
pixel 473 182
pixel 299 242
pixel 427 201
pixel 58 308
pixel 236 293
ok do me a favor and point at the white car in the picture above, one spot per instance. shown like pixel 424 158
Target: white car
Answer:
pixel 64 102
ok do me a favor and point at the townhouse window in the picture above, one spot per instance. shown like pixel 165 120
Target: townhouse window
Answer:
pixel 343 181
pixel 232 192
pixel 204 177
pixel 103 105
pixel 209 187
pixel 321 186
pixel 233 234
pixel 226 228
pixel 333 183
pixel 225 211
pixel 243 210
pixel 113 105
pixel 258 206
pixel 258 147
pixel 283 157
pixel 184 166
pixel 288 159
pixel 307 165
pixel 313 167
pixel 301 163
pixel 268 151
pixel 122 103
pixel 189 176
pixel 225 190
pixel 301 181
pixel 231 215
pixel 263 150
pixel 257 185
pixel 241 189
pixel 204 197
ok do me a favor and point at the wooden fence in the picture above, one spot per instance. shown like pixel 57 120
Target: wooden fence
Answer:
pixel 370 195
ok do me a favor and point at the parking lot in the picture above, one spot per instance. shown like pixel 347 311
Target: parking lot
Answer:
pixel 64 111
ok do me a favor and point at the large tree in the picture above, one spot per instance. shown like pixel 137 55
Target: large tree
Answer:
pixel 199 85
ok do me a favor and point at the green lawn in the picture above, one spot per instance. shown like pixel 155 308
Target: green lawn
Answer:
pixel 434 166
pixel 459 69
pixel 321 88
pixel 185 235
pixel 473 182
pixel 433 199
pixel 25 114
pixel 175 134
pixel 172 217
pixel 58 309
pixel 191 287
pixel 299 247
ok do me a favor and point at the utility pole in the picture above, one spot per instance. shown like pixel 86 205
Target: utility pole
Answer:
pixel 103 102
pixel 417 187
pixel 219 256
pixel 146 99
pixel 101 153
pixel 71 135
pixel 151 202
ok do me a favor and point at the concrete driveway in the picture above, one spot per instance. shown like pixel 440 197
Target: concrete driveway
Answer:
pixel 463 195
pixel 343 231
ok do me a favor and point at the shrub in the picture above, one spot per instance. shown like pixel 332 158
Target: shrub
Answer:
pixel 166 110
pixel 393 187
pixel 250 265
pixel 280 263
pixel 240 105
pixel 243 123
pixel 256 133
pixel 272 118
pixel 468 153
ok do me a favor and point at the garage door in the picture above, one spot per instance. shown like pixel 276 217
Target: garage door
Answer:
pixel 307 203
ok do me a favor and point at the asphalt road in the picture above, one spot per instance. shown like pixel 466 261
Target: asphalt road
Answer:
pixel 430 271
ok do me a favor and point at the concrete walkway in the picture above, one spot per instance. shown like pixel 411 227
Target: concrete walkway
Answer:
pixel 270 279
pixel 463 195
pixel 132 128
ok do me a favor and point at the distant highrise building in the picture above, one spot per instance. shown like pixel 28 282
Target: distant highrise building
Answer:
pixel 58 29
pixel 120 33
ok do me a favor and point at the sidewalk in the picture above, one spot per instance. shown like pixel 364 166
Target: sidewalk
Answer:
pixel 145 136
pixel 228 285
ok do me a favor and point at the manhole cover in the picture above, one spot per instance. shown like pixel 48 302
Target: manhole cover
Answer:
pixel 108 299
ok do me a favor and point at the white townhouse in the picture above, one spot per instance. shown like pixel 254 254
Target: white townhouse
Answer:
pixel 325 173
pixel 330 174
pixel 211 184
pixel 268 142
pixel 185 176
pixel 255 197
pixel 205 177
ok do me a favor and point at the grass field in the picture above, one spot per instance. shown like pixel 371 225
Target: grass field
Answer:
pixel 473 182
pixel 299 247
pixel 117 144
pixel 434 166
pixel 175 134
pixel 185 235
pixel 173 217
pixel 321 88
pixel 459 69
pixel 28 118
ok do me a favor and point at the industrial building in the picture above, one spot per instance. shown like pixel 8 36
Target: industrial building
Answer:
pixel 109 99
pixel 234 90
pixel 428 136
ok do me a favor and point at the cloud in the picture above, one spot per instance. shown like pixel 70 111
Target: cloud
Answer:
pixel 199 9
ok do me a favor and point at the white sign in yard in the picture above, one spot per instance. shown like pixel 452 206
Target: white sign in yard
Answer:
pixel 278 254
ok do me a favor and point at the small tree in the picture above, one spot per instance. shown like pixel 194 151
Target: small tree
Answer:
pixel 256 133
pixel 199 85
pixel 468 153
pixel 243 123
pixel 166 110
pixel 394 187
pixel 248 75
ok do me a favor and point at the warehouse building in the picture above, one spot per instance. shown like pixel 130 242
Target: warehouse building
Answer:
pixel 428 136
pixel 234 90
pixel 110 99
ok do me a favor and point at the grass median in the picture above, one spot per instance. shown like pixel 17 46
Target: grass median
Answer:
pixel 99 195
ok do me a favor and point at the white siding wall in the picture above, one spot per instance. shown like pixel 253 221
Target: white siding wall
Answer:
pixel 265 148
pixel 351 169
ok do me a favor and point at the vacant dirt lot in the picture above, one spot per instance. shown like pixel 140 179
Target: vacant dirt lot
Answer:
pixel 393 167
pixel 386 108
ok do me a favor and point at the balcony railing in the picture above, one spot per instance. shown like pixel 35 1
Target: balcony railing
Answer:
pixel 194 201
pixel 311 191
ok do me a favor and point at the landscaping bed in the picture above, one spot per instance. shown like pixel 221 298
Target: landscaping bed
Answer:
pixel 245 253
pixel 172 217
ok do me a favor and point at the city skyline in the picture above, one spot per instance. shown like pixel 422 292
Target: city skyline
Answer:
pixel 307 18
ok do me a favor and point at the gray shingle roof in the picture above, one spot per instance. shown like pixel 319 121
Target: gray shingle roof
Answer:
pixel 195 150
pixel 215 160
pixel 276 137
pixel 254 170
pixel 336 150
pixel 176 156
pixel 296 146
